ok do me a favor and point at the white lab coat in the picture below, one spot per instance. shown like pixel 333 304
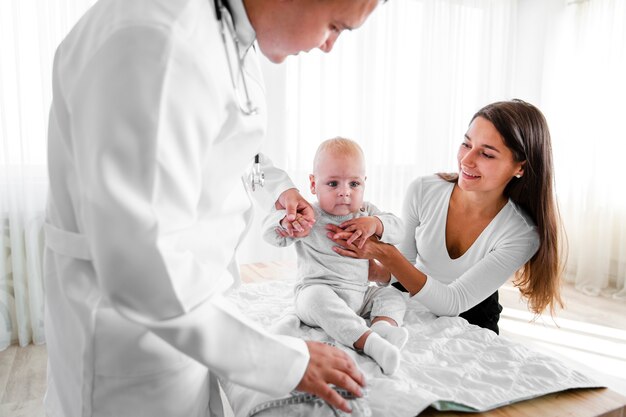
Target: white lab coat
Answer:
pixel 147 147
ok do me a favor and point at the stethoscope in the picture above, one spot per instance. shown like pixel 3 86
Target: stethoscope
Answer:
pixel 223 16
pixel 257 176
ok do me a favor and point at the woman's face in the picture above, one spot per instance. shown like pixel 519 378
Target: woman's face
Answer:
pixel 485 162
pixel 301 25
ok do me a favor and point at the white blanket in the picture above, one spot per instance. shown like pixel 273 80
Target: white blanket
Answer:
pixel 447 363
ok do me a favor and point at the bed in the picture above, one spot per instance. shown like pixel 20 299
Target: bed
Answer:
pixel 447 364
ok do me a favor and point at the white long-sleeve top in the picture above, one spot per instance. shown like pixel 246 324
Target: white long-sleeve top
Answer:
pixel 456 285
pixel 147 148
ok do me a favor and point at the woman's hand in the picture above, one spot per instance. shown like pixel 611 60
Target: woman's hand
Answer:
pixel 372 247
pixel 388 255
pixel 362 228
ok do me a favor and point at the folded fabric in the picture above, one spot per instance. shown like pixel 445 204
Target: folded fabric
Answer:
pixel 447 363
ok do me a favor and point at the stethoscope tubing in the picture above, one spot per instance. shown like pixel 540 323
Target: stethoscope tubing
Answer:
pixel 257 176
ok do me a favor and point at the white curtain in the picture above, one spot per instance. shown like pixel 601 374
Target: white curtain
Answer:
pixel 404 86
pixel 584 100
pixel 29 33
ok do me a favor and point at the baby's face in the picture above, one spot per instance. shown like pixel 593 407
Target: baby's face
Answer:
pixel 339 183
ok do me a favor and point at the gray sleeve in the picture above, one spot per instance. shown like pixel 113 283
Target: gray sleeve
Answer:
pixel 393 226
pixel 268 229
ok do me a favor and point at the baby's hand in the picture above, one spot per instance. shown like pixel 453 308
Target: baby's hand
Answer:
pixel 362 228
pixel 298 210
pixel 300 227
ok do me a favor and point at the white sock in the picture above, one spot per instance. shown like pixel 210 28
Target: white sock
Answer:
pixel 386 355
pixel 397 336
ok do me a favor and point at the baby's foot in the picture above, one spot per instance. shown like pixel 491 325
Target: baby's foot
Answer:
pixel 397 336
pixel 386 355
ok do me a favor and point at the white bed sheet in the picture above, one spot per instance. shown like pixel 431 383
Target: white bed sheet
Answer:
pixel 447 362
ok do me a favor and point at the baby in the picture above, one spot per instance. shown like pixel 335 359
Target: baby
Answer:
pixel 333 291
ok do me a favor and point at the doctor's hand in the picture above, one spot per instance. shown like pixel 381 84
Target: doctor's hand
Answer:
pixel 329 365
pixel 300 215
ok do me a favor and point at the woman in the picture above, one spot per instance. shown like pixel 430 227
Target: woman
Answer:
pixel 467 233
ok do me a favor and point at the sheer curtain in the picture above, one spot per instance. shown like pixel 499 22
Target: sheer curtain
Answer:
pixel 584 92
pixel 404 86
pixel 29 33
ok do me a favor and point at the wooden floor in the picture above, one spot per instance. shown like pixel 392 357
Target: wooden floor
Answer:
pixel 22 381
pixel 590 335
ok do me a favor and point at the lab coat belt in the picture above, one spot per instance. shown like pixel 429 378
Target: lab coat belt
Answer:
pixel 67 243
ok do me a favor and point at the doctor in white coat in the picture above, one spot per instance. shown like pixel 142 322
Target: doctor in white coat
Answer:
pixel 151 132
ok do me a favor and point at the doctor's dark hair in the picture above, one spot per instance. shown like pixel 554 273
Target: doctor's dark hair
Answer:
pixel 525 132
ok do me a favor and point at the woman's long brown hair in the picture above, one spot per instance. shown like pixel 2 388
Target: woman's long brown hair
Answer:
pixel 525 132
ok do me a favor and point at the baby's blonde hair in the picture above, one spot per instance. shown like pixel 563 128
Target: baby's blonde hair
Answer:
pixel 338 146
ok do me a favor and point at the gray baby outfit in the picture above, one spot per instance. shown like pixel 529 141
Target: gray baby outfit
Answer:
pixel 333 291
